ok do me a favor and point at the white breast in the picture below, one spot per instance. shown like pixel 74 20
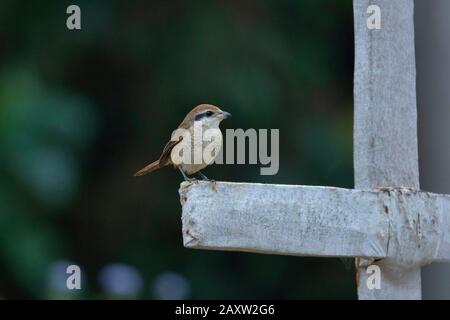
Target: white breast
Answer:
pixel 204 150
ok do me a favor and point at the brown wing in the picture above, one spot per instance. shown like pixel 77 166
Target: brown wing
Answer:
pixel 164 159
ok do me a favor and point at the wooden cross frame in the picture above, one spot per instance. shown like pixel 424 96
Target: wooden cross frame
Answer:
pixel 385 221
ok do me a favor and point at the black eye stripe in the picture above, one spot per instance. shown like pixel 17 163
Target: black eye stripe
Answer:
pixel 200 116
pixel 203 114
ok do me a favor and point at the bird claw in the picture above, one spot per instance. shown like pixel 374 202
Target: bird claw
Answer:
pixel 186 178
pixel 205 178
pixel 211 181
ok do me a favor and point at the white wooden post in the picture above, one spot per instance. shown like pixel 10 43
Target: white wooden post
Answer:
pixel 385 127
pixel 316 221
pixel 386 220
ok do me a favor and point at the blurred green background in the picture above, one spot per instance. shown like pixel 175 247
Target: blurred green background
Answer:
pixel 81 111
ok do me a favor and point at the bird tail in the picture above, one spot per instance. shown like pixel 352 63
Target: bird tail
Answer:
pixel 150 168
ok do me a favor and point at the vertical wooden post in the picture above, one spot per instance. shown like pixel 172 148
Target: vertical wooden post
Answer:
pixel 385 127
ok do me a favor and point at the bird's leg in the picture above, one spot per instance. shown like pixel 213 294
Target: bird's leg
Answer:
pixel 203 176
pixel 186 178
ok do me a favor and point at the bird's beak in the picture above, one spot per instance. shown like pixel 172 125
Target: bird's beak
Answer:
pixel 225 114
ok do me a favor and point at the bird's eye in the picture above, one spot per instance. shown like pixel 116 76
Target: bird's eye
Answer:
pixel 209 113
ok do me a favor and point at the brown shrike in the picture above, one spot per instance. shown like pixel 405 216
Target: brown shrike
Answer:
pixel 206 115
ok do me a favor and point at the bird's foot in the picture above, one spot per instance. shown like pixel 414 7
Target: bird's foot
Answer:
pixel 213 185
pixel 204 177
pixel 193 180
pixel 186 178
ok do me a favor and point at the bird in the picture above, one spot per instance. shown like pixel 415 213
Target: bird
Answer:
pixel 206 115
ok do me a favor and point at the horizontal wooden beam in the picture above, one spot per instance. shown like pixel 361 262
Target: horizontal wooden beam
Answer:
pixel 312 221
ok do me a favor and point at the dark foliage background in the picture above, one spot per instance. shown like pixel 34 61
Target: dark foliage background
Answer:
pixel 81 111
